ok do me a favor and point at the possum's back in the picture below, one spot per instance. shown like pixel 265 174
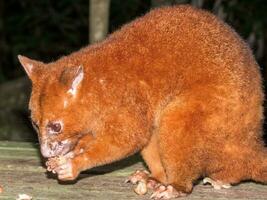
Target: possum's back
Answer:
pixel 173 49
pixel 187 44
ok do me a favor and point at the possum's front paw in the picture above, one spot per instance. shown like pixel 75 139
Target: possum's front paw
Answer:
pixel 64 167
pixel 67 171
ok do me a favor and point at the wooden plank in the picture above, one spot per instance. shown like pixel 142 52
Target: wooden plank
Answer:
pixel 21 171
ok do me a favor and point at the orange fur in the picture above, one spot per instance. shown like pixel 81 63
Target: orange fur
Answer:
pixel 178 84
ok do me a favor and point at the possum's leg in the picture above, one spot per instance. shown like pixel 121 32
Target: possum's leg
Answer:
pixel 152 158
pixel 143 179
pixel 178 148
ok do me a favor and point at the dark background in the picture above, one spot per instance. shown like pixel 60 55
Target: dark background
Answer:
pixel 48 29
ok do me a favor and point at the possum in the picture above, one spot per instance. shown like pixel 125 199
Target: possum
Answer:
pixel 177 85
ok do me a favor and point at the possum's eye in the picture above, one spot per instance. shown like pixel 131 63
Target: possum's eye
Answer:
pixel 54 127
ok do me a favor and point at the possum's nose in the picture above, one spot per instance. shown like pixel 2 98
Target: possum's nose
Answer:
pixel 55 148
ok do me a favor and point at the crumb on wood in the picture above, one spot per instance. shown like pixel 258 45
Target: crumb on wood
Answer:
pixel 1 189
pixel 24 197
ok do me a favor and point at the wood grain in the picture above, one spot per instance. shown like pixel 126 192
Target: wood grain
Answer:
pixel 21 171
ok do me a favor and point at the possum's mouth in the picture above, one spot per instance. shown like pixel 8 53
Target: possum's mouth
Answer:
pixel 59 148
pixel 56 148
pixel 63 149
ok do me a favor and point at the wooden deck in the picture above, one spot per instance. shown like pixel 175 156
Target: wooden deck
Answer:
pixel 21 172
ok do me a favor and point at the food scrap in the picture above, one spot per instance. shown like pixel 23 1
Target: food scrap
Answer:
pixel 54 162
pixel 24 197
pixel 141 188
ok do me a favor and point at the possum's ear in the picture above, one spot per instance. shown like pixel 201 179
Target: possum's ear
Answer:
pixel 30 66
pixel 72 77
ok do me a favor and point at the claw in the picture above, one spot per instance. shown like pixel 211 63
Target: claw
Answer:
pixel 152 183
pixel 157 192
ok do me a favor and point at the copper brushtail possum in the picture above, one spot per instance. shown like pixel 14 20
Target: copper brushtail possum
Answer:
pixel 177 85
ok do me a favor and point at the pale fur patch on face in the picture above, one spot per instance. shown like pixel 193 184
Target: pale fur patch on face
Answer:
pixel 65 103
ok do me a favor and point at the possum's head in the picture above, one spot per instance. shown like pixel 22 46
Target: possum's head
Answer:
pixel 56 104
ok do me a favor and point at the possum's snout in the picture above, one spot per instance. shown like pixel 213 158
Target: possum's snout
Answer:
pixel 55 148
